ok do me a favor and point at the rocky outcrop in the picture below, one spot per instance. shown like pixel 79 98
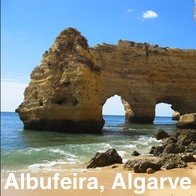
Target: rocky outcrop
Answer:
pixel 183 141
pixel 142 165
pixel 171 161
pixel 167 161
pixel 69 88
pixel 107 158
pixel 176 116
pixel 187 121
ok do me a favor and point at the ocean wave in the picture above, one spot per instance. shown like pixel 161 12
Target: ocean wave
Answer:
pixel 128 146
pixel 32 150
pixel 62 152
pixel 51 165
pixel 121 153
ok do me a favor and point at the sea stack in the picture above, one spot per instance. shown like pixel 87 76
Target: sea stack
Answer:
pixel 63 94
pixel 69 88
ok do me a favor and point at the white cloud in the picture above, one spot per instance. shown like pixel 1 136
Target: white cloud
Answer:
pixel 11 95
pixel 149 14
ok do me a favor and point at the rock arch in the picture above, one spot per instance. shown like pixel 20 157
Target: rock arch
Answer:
pixel 110 103
pixel 163 110
pixel 178 103
pixel 127 107
pixel 68 89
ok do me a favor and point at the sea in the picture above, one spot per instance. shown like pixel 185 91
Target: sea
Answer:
pixel 42 151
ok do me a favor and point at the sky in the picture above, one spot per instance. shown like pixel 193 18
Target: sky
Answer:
pixel 29 28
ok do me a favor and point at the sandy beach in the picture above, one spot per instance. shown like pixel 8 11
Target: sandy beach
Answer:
pixel 106 177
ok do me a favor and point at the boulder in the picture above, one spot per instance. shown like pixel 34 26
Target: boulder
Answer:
pixel 107 158
pixel 170 140
pixel 157 150
pixel 188 158
pixel 173 148
pixel 161 134
pixel 135 153
pixel 141 165
pixel 171 161
pixel 191 148
pixel 187 121
pixel 176 116
pixel 186 137
pixel 167 161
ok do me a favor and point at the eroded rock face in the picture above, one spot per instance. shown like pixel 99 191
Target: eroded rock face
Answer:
pixel 72 83
pixel 187 121
pixel 64 91
pixel 176 116
pixel 142 165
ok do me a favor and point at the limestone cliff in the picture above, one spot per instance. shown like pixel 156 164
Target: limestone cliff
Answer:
pixel 187 121
pixel 64 91
pixel 72 83
pixel 145 75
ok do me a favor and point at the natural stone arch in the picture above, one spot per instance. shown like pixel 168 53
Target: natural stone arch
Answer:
pixel 68 89
pixel 163 109
pixel 113 106
pixel 125 104
pixel 177 103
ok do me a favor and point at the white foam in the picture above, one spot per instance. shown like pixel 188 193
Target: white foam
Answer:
pixel 59 151
pixel 52 165
pixel 130 146
pixel 121 153
pixel 34 150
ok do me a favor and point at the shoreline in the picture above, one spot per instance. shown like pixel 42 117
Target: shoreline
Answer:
pixel 106 177
pixel 68 168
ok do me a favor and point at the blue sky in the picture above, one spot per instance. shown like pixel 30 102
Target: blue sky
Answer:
pixel 29 27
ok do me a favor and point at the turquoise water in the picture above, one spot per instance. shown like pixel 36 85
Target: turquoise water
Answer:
pixel 25 150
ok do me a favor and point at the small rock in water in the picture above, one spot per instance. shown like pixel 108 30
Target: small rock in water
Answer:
pixel 135 153
pixel 161 134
